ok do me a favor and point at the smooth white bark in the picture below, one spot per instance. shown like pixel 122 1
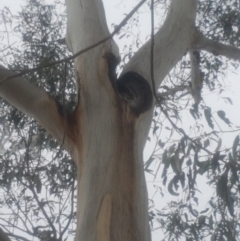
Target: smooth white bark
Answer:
pixel 171 42
pixel 112 196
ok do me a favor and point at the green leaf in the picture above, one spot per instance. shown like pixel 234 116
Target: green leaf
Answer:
pixel 189 162
pixel 175 162
pixel 222 116
pixel 190 147
pixel 230 202
pixel 204 211
pixel 228 99
pixel 164 180
pixel 182 179
pixel 155 129
pixel 214 161
pixel 208 116
pixel 161 144
pixel 38 185
pixel 193 211
pixel 201 220
pixel 171 149
pixel 182 145
pixel 164 173
pixel 165 157
pixel 222 187
pixel 210 221
pixel 235 146
pixel 149 162
pixel 206 143
pixel 203 167
pixel 219 145
pixel 192 113
pixel 170 187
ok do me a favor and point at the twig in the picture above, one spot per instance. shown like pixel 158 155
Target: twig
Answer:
pixel 17 237
pixel 31 188
pixel 71 215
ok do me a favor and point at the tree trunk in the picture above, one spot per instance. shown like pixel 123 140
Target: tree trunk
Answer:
pixel 112 195
pixel 107 132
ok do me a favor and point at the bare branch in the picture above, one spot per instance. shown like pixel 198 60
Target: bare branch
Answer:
pixel 34 102
pixel 216 48
pixel 9 224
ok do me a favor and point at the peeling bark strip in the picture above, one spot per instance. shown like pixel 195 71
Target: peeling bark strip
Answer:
pixel 104 219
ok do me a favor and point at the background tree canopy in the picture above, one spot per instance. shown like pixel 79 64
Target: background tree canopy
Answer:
pixel 38 178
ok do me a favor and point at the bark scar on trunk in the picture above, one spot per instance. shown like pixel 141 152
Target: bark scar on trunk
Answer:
pixel 104 219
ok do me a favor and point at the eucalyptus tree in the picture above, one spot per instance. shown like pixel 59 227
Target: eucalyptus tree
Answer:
pixel 103 123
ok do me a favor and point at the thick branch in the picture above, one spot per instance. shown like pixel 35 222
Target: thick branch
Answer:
pixel 216 48
pixel 36 103
pixel 87 25
pixel 170 42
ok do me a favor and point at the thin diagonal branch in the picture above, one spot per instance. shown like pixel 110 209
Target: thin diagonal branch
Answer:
pixel 216 48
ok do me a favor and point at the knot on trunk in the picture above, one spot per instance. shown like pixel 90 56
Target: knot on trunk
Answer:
pixel 130 86
pixel 136 91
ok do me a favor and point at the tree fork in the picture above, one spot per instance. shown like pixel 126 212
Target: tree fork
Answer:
pixel 131 87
